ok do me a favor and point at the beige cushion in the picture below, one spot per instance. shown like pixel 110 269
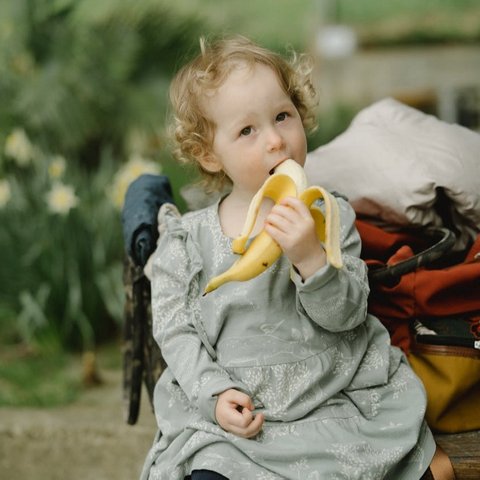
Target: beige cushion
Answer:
pixel 395 164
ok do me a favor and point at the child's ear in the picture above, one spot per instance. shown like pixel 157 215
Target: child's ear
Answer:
pixel 210 163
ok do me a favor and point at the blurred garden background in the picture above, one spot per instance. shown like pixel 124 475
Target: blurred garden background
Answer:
pixel 83 90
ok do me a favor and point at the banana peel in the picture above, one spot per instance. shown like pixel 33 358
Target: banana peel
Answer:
pixel 288 180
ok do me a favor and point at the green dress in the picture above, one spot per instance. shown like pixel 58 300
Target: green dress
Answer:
pixel 339 401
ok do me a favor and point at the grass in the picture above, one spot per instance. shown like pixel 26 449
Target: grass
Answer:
pixel 37 378
pixel 46 376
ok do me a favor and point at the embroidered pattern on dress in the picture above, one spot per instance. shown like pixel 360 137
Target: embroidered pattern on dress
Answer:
pixel 361 461
pixel 401 381
pixel 277 386
pixel 343 364
pixel 417 456
pixel 177 396
pixel 267 476
pixel 270 434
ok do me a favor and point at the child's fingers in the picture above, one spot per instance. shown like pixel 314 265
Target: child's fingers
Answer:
pixel 279 222
pixel 247 418
pixel 294 204
pixel 254 427
pixel 240 418
pixel 239 398
pixel 289 212
pixel 288 227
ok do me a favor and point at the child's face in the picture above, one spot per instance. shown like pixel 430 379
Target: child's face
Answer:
pixel 257 126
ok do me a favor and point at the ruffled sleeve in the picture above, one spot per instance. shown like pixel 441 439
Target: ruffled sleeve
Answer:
pixel 336 299
pixel 177 325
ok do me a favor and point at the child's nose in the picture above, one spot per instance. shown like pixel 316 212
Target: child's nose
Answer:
pixel 274 140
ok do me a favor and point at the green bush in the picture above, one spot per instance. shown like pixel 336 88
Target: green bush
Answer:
pixel 82 75
pixel 87 80
pixel 62 269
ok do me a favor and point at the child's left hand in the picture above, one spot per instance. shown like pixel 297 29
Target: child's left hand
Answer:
pixel 233 413
pixel 291 225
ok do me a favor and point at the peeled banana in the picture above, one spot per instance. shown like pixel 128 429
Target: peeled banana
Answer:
pixel 288 180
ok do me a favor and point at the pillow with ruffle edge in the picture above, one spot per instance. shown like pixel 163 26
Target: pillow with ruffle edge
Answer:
pixel 402 167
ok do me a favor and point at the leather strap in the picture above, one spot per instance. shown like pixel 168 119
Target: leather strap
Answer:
pixel 441 467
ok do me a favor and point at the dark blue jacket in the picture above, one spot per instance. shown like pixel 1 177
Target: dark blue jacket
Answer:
pixel 144 197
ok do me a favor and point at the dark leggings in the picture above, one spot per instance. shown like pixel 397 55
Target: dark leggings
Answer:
pixel 206 475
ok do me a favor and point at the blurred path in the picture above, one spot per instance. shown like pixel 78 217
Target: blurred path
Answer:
pixel 87 440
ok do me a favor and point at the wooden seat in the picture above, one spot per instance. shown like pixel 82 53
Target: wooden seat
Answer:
pixel 464 452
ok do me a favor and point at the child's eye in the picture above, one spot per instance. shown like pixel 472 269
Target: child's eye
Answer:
pixel 246 131
pixel 282 116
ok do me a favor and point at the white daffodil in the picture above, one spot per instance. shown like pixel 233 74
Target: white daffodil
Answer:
pixel 57 166
pixel 5 192
pixel 136 166
pixel 61 198
pixel 18 147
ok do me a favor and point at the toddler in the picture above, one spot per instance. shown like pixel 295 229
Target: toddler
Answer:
pixel 286 375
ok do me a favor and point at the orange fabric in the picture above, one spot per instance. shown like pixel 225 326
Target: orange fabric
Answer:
pixel 422 293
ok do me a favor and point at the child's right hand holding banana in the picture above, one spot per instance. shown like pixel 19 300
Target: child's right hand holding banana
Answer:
pixel 288 180
pixel 292 226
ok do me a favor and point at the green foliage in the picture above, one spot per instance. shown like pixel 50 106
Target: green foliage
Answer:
pixel 81 78
pixel 62 270
pixel 276 24
pixel 80 75
pixel 331 124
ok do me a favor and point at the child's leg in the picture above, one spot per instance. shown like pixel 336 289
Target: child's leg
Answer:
pixel 207 475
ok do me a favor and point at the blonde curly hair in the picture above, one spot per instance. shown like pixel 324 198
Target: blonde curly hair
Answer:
pixel 192 132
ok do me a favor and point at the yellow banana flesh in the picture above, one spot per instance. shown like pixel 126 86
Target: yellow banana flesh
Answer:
pixel 288 180
pixel 261 254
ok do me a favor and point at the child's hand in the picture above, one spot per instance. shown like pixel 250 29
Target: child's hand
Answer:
pixel 291 225
pixel 234 414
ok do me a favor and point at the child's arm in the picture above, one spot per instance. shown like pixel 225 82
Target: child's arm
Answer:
pixel 176 325
pixel 234 414
pixel 334 299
